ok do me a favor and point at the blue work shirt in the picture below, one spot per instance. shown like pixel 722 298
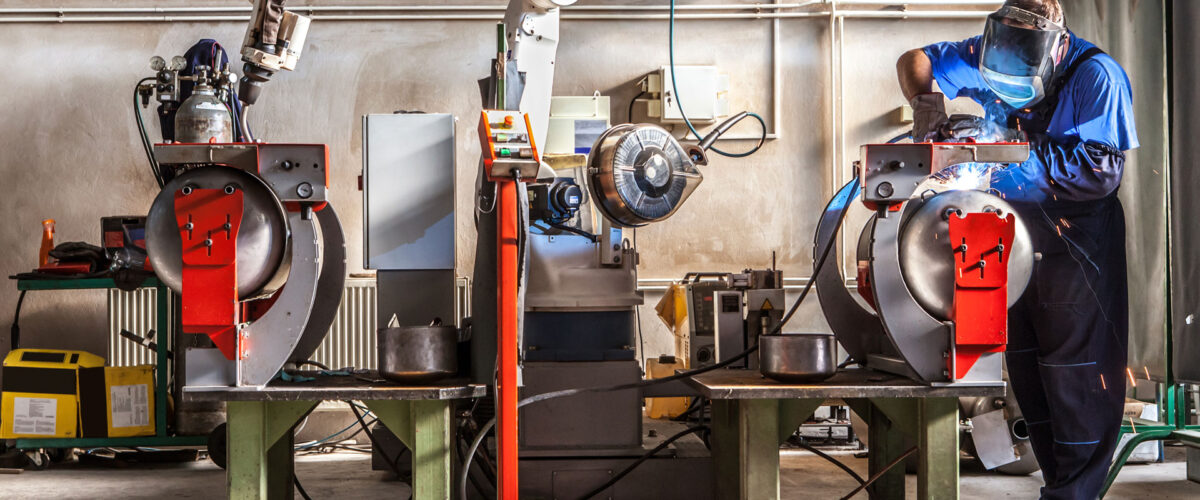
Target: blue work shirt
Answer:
pixel 1094 114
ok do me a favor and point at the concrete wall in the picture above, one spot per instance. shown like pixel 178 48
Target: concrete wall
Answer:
pixel 70 147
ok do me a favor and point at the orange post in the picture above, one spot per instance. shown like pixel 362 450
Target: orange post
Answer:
pixel 506 231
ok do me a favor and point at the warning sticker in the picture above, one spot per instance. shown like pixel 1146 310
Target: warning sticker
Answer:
pixel 130 405
pixel 34 415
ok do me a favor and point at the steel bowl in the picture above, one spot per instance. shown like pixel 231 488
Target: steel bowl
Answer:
pixel 798 357
pixel 418 354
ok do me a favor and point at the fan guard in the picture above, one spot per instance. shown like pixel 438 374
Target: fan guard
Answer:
pixel 640 174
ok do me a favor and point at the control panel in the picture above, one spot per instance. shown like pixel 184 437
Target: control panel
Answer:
pixel 507 143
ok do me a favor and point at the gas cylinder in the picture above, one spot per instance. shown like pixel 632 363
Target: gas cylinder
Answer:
pixel 203 118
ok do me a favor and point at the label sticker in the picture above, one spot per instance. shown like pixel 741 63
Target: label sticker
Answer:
pixel 130 405
pixel 34 415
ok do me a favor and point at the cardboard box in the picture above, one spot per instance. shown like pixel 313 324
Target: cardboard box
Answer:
pixel 116 401
pixel 40 392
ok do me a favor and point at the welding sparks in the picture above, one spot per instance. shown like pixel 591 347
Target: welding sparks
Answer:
pixel 1059 229
pixel 1147 370
pixel 1131 379
pixel 1102 384
pixel 1155 171
pixel 1064 222
pixel 1132 426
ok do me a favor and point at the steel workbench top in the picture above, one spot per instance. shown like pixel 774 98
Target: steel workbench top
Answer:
pixel 334 388
pixel 848 383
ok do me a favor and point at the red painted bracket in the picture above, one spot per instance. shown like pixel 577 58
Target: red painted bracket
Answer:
pixel 208 227
pixel 982 243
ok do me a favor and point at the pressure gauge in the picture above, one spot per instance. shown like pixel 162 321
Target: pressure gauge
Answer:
pixel 157 63
pixel 178 63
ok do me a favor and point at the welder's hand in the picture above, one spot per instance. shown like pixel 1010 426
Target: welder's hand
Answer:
pixel 979 129
pixel 929 114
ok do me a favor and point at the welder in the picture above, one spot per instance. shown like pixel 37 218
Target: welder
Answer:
pixel 1039 82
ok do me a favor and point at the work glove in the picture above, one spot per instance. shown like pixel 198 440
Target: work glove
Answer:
pixel 979 129
pixel 929 114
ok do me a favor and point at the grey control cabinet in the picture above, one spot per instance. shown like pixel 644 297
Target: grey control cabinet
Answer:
pixel 408 192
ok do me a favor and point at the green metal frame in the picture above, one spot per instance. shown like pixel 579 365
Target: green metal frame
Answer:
pixel 747 434
pixel 260 444
pixel 162 373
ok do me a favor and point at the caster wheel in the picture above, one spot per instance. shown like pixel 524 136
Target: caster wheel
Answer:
pixel 218 452
pixel 36 460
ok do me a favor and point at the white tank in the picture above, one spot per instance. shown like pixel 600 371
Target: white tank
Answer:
pixel 203 118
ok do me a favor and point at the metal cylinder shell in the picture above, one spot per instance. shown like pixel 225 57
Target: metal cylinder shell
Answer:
pixel 202 118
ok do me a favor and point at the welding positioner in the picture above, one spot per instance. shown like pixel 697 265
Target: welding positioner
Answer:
pixel 233 225
pixel 939 267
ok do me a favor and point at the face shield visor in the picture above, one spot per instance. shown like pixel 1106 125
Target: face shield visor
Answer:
pixel 1017 62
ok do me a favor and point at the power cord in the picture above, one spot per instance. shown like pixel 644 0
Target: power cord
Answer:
pixel 880 473
pixel 678 102
pixel 624 472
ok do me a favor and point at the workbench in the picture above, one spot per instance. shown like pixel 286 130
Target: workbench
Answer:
pixel 260 422
pixel 752 416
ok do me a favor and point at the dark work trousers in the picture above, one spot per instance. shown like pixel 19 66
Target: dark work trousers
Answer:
pixel 1067 343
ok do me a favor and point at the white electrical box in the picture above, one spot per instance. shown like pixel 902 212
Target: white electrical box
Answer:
pixel 575 123
pixel 703 91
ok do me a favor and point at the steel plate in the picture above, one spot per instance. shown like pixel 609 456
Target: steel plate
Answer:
pixel 927 257
pixel 262 254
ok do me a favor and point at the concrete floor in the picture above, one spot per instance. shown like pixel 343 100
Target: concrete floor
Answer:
pixel 348 475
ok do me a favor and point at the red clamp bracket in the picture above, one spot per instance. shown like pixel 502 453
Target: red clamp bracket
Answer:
pixel 982 243
pixel 208 227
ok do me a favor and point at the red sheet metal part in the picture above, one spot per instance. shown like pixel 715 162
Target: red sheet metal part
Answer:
pixel 208 227
pixel 981 244
pixel 507 311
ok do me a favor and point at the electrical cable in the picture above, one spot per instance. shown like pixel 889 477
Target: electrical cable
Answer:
pixel 317 364
pixel 299 488
pixel 832 460
pixel 879 474
pixel 824 255
pixel 146 144
pixel 679 102
pixel 631 102
pixel 624 472
pixel 563 227
pixel 900 137
pixel 14 335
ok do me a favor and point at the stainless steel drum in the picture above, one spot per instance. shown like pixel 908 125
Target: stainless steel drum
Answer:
pixel 798 357
pixel 263 254
pixel 418 354
pixel 927 255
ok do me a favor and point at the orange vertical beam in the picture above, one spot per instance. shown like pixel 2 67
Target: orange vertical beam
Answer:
pixel 506 213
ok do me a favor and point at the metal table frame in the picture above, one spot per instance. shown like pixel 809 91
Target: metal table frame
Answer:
pixel 753 416
pixel 162 372
pixel 260 442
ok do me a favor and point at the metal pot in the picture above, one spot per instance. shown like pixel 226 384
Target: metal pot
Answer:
pixel 418 354
pixel 798 357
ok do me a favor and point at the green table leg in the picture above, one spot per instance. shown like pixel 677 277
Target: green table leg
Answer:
pixel 427 428
pixel 937 442
pixel 886 442
pixel 260 460
pixel 746 448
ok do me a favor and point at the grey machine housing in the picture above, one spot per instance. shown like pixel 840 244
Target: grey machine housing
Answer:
pixel 909 331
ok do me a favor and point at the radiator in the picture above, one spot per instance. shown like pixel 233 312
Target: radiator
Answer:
pixel 134 311
pixel 350 341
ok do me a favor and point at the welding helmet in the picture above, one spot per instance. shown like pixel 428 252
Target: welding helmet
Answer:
pixel 1017 58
